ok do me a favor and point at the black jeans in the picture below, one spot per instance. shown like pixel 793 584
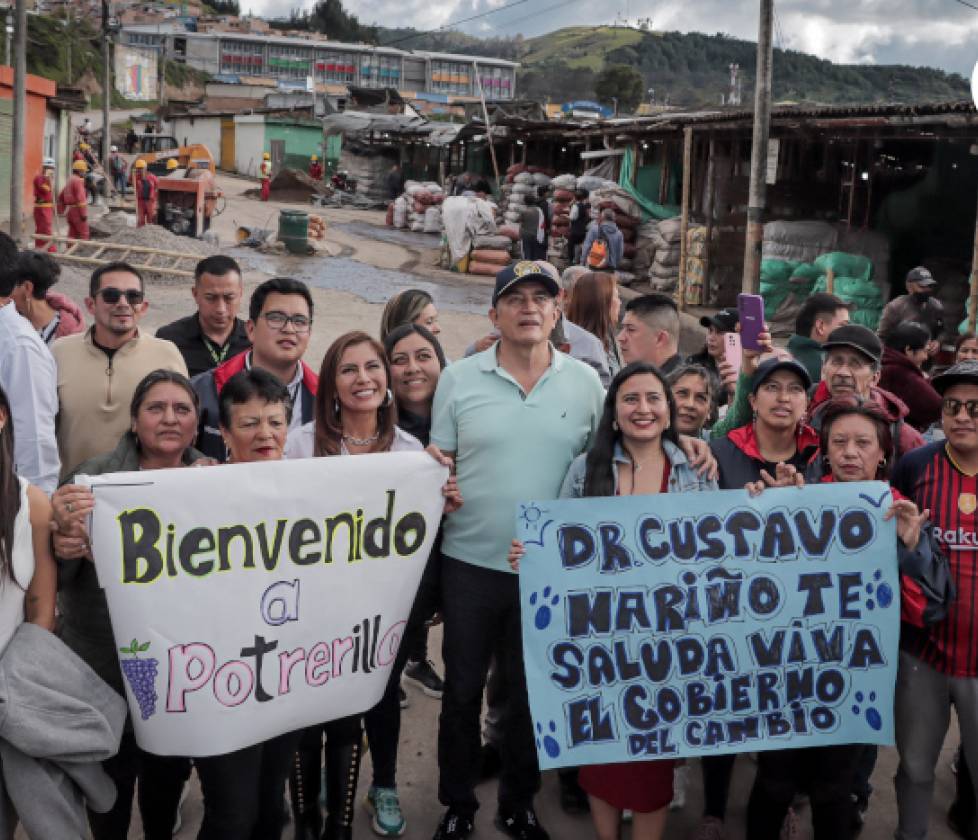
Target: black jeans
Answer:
pixel 244 790
pixel 482 617
pixel 825 773
pixel 383 721
pixel 161 781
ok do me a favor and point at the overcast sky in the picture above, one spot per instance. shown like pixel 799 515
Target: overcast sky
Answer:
pixel 937 33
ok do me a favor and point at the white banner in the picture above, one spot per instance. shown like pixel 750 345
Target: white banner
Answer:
pixel 249 600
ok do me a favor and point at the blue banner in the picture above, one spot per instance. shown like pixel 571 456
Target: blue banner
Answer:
pixel 701 623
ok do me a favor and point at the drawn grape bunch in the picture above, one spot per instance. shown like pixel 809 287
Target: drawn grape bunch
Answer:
pixel 141 675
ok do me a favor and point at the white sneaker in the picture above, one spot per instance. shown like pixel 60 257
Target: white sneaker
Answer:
pixel 680 779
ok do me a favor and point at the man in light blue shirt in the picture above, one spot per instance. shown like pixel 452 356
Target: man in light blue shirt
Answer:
pixel 514 417
pixel 29 378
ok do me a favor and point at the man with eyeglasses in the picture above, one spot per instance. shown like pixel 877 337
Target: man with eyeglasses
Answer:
pixel 278 327
pixel 98 370
pixel 514 416
pixel 939 664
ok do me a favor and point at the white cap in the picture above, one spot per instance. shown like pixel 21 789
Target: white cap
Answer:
pixel 48 163
pixel 114 149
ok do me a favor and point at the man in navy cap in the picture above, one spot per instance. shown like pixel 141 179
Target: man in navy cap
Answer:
pixel 919 304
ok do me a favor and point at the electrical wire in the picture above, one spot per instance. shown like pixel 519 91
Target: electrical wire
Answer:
pixel 966 3
pixel 445 26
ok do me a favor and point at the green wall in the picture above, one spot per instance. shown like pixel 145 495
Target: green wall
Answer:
pixel 301 142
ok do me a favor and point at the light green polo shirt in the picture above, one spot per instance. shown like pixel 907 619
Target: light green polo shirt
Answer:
pixel 510 446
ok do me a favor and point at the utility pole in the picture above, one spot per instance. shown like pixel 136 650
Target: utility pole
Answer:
pixel 757 201
pixel 106 87
pixel 20 124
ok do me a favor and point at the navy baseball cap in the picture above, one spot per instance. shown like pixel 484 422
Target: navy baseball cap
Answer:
pixel 522 272
pixel 922 276
pixel 765 370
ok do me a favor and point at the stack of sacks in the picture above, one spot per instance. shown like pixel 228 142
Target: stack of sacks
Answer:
pixel 854 284
pixel 489 261
pixel 521 181
pixel 798 242
pixel 644 248
pixel 695 264
pixel 421 197
pixel 784 286
pixel 399 217
pixel 664 271
pixel 876 248
pixel 560 206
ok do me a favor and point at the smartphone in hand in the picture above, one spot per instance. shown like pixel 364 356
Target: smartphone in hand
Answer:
pixel 751 310
pixel 732 351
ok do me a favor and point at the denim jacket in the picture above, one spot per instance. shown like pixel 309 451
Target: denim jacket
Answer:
pixel 682 477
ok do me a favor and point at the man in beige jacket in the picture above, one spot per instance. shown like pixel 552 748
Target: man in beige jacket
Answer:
pixel 98 370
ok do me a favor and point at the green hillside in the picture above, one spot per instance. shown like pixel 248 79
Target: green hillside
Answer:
pixel 692 70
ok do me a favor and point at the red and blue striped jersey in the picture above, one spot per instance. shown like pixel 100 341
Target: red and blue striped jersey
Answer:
pixel 928 477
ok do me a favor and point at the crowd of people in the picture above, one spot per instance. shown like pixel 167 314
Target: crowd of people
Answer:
pixel 570 394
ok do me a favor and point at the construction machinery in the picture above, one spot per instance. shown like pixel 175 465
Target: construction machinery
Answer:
pixel 195 156
pixel 187 201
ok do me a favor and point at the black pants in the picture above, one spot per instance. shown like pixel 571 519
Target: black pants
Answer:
pixel 482 617
pixel 161 780
pixel 383 721
pixel 533 250
pixel 963 807
pixel 717 770
pixel 825 773
pixel 244 790
pixel 573 243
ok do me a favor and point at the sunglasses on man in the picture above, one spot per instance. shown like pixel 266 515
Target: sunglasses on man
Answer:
pixel 111 295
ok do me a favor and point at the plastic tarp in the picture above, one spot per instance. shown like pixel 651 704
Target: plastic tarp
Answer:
pixel 464 218
pixel 649 208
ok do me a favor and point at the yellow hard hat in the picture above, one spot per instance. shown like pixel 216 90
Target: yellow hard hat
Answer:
pixel 139 164
pixel 171 164
pixel 266 156
pixel 80 166
pixel 84 147
pixel 314 158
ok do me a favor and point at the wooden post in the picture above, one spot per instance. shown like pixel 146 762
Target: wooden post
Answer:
pixel 757 201
pixel 634 164
pixel 830 281
pixel 17 140
pixel 664 174
pixel 973 297
pixel 684 218
pixel 485 113
pixel 709 205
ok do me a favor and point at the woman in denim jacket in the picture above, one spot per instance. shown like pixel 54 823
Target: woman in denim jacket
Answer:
pixel 635 452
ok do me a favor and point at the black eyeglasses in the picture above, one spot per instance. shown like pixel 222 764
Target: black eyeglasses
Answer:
pixel 112 295
pixel 277 321
pixel 951 407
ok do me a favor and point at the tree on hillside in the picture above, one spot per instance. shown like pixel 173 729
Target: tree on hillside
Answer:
pixel 330 17
pixel 621 82
pixel 225 7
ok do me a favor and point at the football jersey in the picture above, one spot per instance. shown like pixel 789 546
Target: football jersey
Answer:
pixel 929 477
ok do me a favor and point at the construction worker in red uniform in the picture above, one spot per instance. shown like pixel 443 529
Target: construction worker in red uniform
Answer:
pixel 44 204
pixel 74 199
pixel 266 176
pixel 315 168
pixel 147 189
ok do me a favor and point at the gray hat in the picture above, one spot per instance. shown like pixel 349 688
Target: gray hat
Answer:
pixel 966 371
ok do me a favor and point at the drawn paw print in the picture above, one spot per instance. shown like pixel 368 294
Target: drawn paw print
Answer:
pixel 883 592
pixel 546 739
pixel 873 717
pixel 544 613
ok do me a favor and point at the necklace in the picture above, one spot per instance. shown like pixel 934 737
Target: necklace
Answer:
pixel 362 441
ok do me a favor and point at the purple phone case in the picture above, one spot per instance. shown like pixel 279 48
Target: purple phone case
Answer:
pixel 751 310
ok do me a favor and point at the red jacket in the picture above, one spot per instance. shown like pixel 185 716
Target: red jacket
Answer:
pixel 151 179
pixel 73 194
pixel 904 379
pixel 893 407
pixel 43 191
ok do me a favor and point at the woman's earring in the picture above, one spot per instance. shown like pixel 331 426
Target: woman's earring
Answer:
pixel 754 416
pixel 389 400
pixel 336 406
pixel 614 425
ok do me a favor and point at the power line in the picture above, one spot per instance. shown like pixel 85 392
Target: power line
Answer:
pixel 444 26
pixel 966 3
pixel 540 12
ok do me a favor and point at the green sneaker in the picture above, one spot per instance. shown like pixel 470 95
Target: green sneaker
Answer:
pixel 388 821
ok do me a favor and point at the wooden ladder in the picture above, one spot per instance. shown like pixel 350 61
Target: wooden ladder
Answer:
pixel 90 252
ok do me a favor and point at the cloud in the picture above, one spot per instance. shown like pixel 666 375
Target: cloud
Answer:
pixel 936 33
